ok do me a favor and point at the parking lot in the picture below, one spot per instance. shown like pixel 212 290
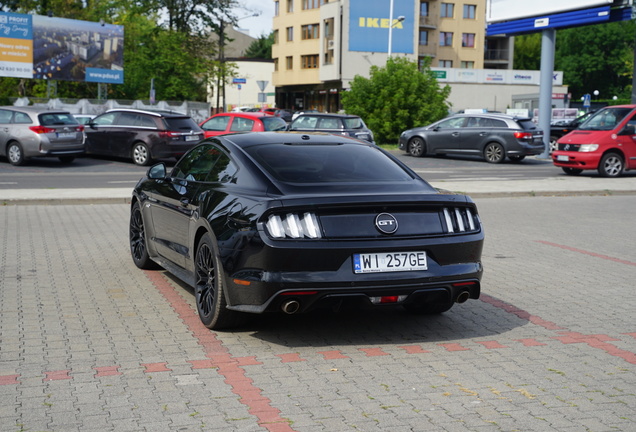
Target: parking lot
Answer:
pixel 89 342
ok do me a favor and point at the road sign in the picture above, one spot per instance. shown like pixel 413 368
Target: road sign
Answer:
pixel 262 84
pixel 239 81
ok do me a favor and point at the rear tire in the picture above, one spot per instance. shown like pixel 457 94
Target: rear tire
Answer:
pixel 15 154
pixel 416 147
pixel 611 165
pixel 141 154
pixel 494 153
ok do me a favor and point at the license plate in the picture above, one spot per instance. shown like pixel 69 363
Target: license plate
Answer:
pixel 563 158
pixel 192 137
pixel 66 135
pixel 389 262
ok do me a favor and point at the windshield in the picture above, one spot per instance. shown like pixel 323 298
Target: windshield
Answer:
pixel 318 163
pixel 605 119
pixel 274 124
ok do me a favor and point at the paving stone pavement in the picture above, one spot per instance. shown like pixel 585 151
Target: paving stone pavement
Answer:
pixel 88 342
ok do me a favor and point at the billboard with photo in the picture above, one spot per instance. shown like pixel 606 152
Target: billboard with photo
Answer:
pixel 35 46
pixel 369 26
pixel 505 10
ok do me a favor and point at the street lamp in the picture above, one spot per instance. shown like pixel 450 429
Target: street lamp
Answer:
pixel 391 25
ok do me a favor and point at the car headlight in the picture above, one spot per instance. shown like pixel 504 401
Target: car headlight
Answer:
pixel 588 147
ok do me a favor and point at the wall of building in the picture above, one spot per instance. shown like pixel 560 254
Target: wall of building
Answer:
pixel 252 71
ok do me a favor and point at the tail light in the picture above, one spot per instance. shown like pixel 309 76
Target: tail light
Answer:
pixel 523 135
pixel 41 129
pixel 168 134
pixel 294 226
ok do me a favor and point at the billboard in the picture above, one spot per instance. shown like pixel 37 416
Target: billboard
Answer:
pixel 506 10
pixel 369 26
pixel 35 46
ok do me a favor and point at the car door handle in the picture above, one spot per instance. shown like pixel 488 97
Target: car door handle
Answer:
pixel 483 133
pixel 455 134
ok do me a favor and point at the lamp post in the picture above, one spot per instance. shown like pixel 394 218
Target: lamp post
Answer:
pixel 391 25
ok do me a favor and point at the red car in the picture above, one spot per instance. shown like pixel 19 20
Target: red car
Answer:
pixel 233 122
pixel 605 142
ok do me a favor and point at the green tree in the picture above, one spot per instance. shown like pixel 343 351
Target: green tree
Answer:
pixel 598 57
pixel 261 47
pixel 527 54
pixel 396 97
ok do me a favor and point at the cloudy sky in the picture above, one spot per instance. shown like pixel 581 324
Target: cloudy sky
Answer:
pixel 259 25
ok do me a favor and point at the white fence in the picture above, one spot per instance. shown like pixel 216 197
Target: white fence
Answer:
pixel 199 111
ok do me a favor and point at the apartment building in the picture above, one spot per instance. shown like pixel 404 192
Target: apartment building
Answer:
pixel 321 45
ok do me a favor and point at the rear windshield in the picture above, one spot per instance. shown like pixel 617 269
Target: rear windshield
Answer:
pixel 181 124
pixel 57 119
pixel 353 123
pixel 327 163
pixel 527 124
pixel 274 124
pixel 605 119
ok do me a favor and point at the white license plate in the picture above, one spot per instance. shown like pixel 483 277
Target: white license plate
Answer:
pixel 389 262
pixel 191 137
pixel 66 135
pixel 563 158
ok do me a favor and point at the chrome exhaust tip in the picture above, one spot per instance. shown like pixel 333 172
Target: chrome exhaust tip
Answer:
pixel 462 297
pixel 290 307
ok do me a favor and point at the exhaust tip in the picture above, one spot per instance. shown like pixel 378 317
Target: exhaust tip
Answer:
pixel 290 307
pixel 462 297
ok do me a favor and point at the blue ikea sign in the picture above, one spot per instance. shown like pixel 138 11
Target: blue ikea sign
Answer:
pixel 369 26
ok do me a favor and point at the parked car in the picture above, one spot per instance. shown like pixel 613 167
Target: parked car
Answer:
pixel 491 136
pixel 141 135
pixel 564 127
pixel 604 142
pixel 241 122
pixel 284 222
pixel 28 132
pixel 340 124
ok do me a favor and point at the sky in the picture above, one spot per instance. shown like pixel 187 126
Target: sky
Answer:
pixel 259 25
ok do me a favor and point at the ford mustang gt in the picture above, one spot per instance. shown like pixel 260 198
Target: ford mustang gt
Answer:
pixel 292 222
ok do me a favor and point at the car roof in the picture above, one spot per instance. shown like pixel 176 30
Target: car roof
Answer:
pixel 310 114
pixel 493 116
pixel 244 114
pixel 33 109
pixel 248 139
pixel 156 113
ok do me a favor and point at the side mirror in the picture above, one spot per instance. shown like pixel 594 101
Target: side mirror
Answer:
pixel 629 129
pixel 157 172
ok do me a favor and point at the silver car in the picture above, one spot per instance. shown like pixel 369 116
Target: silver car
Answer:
pixel 491 136
pixel 27 132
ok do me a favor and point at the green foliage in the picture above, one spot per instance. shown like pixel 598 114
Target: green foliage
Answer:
pixel 527 54
pixel 396 97
pixel 598 57
pixel 261 48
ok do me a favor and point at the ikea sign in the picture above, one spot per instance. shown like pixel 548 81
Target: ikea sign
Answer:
pixel 369 24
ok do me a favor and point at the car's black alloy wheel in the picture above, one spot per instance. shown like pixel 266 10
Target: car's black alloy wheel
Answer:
pixel 416 147
pixel 611 165
pixel 137 236
pixel 494 153
pixel 208 289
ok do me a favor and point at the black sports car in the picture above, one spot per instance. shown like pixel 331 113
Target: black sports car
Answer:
pixel 291 222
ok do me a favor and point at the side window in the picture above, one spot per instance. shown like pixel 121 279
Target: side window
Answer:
pixel 22 118
pixel 452 123
pixel 106 119
pixel 145 121
pixel 240 124
pixel 197 163
pixel 127 119
pixel 306 123
pixel 329 123
pixel 223 170
pixel 216 123
pixel 499 124
pixel 5 116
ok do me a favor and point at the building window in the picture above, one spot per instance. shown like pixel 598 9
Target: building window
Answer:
pixel 424 9
pixel 309 61
pixel 290 34
pixel 310 31
pixel 447 10
pixel 289 62
pixel 446 63
pixel 329 57
pixel 468 40
pixel 276 8
pixel 423 37
pixel 446 39
pixel 312 4
pixel 290 6
pixel 469 11
pixel 276 36
pixel 468 65
pixel 275 64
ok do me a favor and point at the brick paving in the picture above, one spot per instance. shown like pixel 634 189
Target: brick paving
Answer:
pixel 90 343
